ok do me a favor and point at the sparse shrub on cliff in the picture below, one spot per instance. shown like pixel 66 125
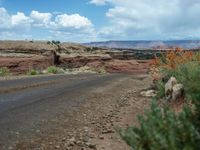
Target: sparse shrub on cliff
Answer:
pixel 4 71
pixel 48 42
pixel 90 49
pixel 55 42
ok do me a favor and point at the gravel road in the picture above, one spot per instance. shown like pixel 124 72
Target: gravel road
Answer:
pixel 39 112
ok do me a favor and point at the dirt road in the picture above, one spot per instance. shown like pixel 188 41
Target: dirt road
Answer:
pixel 69 111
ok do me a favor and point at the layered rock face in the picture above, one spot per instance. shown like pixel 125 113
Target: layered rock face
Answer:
pixel 20 65
pixel 21 56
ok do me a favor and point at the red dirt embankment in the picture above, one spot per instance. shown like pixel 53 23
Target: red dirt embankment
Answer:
pixel 20 65
pixel 123 66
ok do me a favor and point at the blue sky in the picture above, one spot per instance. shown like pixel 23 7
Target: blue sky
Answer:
pixel 99 20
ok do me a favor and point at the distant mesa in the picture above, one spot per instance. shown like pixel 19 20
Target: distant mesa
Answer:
pixel 185 44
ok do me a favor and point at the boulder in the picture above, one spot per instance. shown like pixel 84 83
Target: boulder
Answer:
pixel 169 86
pixel 149 93
pixel 177 91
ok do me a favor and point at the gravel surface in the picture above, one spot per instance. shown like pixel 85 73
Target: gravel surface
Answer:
pixel 70 112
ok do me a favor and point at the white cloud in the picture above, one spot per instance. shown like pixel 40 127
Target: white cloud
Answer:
pixel 5 20
pixel 152 19
pixel 20 19
pixel 57 24
pixel 72 21
pixel 98 2
pixel 41 19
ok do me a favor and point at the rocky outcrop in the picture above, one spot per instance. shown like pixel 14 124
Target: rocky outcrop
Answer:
pixel 169 86
pixel 21 56
pixel 177 91
pixel 81 61
pixel 173 89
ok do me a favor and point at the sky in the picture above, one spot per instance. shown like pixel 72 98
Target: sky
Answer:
pixel 99 20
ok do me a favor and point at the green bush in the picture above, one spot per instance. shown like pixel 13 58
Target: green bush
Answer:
pixel 53 70
pixel 4 71
pixel 162 129
pixel 32 72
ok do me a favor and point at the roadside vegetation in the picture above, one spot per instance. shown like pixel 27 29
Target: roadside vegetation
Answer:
pixel 32 72
pixel 4 72
pixel 54 70
pixel 90 49
pixel 161 127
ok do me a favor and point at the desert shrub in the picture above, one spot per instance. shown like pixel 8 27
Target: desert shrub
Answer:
pixel 172 59
pixel 53 70
pixel 48 42
pixel 55 42
pixel 168 63
pixel 162 129
pixel 95 48
pixel 4 71
pixel 67 52
pixel 91 49
pixel 32 72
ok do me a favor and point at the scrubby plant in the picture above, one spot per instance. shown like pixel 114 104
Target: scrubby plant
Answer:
pixel 170 61
pixel 88 49
pixel 162 129
pixel 55 42
pixel 32 72
pixel 4 71
pixel 91 49
pixel 174 58
pixel 53 70
pixel 48 42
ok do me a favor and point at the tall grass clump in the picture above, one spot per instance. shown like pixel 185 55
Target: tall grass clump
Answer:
pixel 4 72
